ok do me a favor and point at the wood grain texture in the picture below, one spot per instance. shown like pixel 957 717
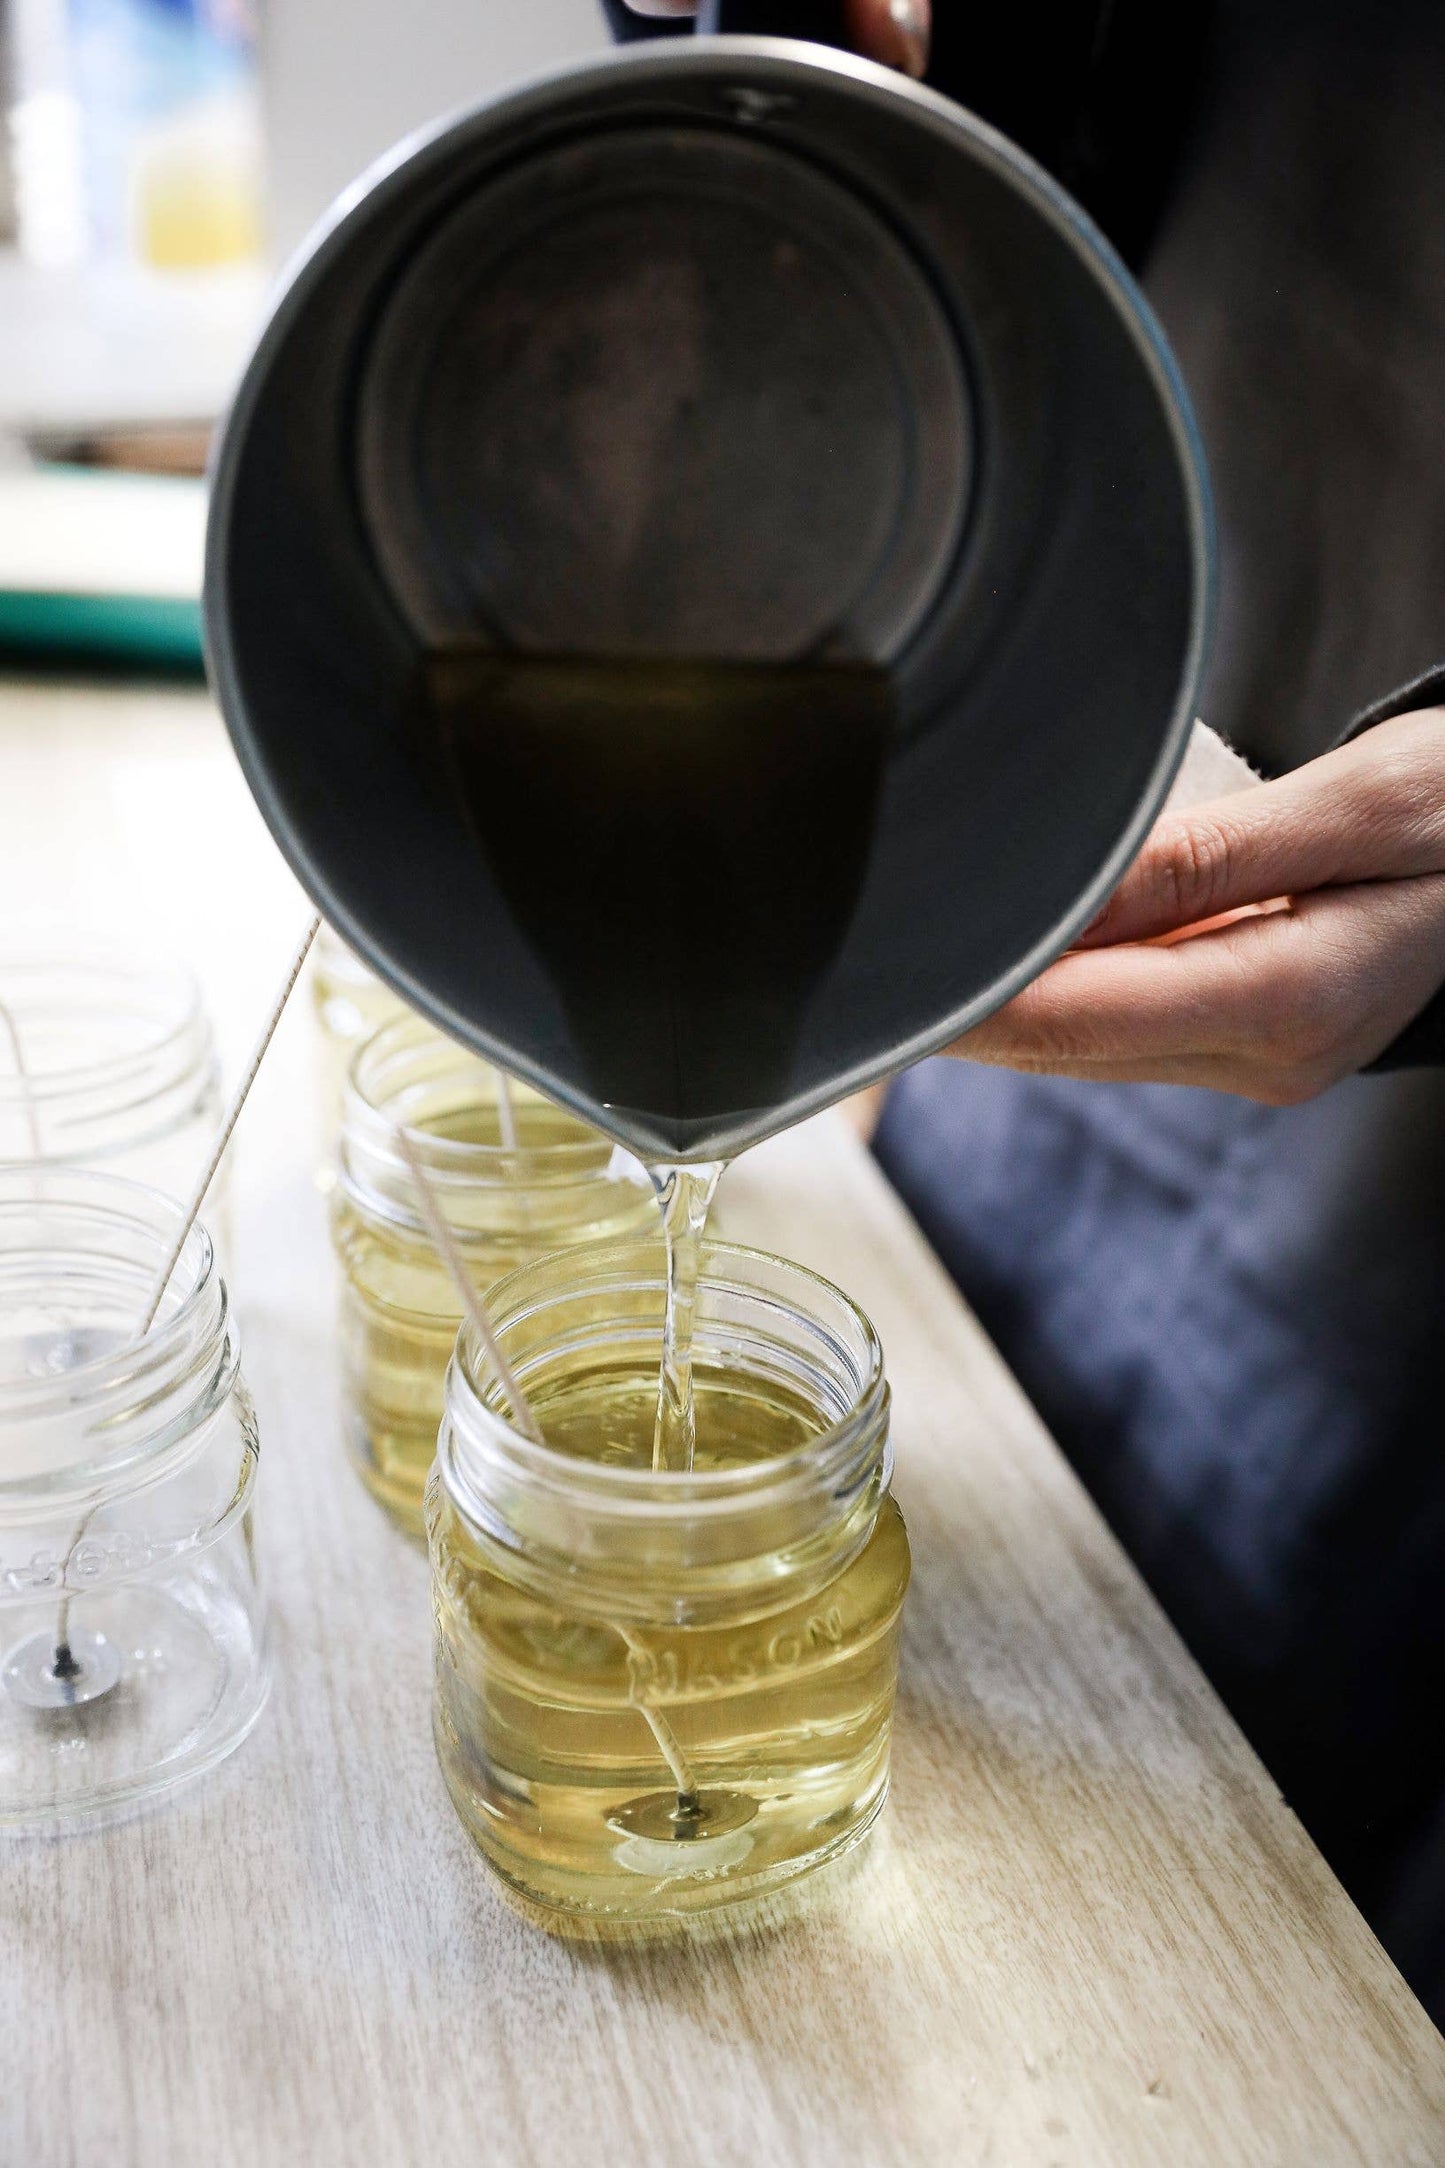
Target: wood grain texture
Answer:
pixel 1086 1932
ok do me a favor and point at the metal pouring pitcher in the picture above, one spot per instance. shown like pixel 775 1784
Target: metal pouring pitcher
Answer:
pixel 732 351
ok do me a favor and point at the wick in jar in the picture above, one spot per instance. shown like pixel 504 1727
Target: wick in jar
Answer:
pixel 690 1807
pixel 66 1671
pixel 506 1111
pixel 685 1196
pixel 473 1308
pixel 639 1668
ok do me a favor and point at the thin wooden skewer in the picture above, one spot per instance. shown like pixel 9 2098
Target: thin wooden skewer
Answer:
pixel 525 1418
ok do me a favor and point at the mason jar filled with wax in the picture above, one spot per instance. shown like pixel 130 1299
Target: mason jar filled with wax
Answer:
pixel 663 1689
pixel 512 1175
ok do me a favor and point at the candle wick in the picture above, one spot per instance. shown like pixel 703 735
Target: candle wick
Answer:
pixel 232 1116
pixel 65 1665
pixel 473 1308
pixel 524 1416
pixel 506 1111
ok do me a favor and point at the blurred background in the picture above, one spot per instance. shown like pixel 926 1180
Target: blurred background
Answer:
pixel 159 161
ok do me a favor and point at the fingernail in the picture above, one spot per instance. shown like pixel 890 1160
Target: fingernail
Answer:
pixel 910 20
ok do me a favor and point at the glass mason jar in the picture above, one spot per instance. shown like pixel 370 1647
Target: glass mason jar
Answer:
pixel 132 1644
pixel 351 1003
pixel 661 1692
pixel 555 1183
pixel 105 1061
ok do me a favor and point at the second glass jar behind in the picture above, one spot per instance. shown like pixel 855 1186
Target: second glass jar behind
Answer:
pixel 351 1003
pixel 512 1184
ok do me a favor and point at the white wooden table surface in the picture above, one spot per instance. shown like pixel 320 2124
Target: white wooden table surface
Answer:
pixel 1086 1932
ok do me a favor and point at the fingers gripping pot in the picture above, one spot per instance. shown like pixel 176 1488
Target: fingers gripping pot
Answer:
pixel 795 498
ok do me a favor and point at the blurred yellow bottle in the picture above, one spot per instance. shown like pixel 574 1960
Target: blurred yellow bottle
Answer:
pixel 196 190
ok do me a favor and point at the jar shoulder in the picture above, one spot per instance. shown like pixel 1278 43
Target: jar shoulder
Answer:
pixel 477 1603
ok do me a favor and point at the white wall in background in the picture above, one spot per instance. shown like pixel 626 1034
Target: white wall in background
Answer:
pixel 343 79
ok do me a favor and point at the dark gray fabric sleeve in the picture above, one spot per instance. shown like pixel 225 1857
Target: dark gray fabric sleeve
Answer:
pixel 1425 691
pixel 1421 1045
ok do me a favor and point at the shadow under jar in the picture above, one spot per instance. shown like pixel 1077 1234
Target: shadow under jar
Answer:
pixel 656 1693
pixel 552 1184
pixel 132 1636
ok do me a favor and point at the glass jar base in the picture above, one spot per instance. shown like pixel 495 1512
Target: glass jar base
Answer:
pixel 188 1684
pixel 683 1907
pixel 43 1673
pixel 653 1882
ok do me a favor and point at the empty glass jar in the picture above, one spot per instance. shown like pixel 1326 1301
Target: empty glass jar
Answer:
pixel 106 1060
pixel 132 1642
pixel 661 1692
pixel 512 1179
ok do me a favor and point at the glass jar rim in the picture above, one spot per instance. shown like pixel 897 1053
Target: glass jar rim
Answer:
pixel 402 1036
pixel 487 1192
pixel 106 962
pixel 475 1397
pixel 190 1344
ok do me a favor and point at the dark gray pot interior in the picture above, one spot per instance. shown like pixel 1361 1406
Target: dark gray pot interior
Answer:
pixel 732 351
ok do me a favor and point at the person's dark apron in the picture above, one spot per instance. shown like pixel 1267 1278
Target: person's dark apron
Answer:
pixel 1233 1317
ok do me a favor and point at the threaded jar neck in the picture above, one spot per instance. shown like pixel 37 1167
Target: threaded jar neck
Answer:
pixel 552 1176
pixel 640 1543
pixel 100 1054
pixel 87 1406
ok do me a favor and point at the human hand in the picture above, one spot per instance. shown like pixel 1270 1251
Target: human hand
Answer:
pixel 1169 986
pixel 895 32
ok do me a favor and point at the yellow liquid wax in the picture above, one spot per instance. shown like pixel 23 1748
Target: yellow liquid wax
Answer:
pixel 779 1702
pixel 400 1311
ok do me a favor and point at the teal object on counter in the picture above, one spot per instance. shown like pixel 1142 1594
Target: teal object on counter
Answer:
pixel 126 627
pixel 102 567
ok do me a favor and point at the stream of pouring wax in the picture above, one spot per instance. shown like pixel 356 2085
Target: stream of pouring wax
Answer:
pixel 683 846
pixel 685 1195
